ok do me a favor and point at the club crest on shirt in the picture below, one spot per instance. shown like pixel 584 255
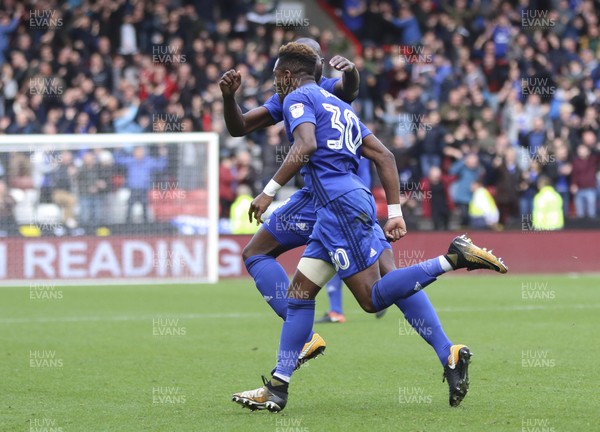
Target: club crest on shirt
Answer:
pixel 297 110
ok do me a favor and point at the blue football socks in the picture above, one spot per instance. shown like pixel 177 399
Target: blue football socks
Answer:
pixel 421 315
pixel 334 291
pixel 404 282
pixel 296 329
pixel 272 282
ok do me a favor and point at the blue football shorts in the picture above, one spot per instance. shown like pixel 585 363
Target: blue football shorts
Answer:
pixel 347 234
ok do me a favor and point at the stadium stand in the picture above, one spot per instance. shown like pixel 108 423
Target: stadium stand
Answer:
pixel 516 88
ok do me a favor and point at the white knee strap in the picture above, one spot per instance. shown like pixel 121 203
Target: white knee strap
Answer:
pixel 317 271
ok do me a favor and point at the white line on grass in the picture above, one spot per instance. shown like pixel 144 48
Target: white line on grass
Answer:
pixel 127 317
pixel 109 318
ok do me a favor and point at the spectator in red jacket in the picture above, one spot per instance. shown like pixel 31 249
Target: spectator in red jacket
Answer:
pixel 508 176
pixel 440 210
pixel 583 182
pixel 227 186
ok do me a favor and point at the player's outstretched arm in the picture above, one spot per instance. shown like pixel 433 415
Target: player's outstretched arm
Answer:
pixel 305 143
pixel 347 88
pixel 373 149
pixel 238 123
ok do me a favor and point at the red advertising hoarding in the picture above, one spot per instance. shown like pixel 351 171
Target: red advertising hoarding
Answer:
pixel 183 259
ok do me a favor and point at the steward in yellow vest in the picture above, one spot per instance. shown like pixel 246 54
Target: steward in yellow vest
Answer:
pixel 238 214
pixel 483 212
pixel 547 207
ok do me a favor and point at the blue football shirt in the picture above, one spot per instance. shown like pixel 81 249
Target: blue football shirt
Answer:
pixel 332 168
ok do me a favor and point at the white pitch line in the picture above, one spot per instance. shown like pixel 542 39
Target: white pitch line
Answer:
pixel 109 318
pixel 518 308
pixel 128 318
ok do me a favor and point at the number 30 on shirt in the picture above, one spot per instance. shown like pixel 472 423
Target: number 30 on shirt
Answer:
pixel 345 129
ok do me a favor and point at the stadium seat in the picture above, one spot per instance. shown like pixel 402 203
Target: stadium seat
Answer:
pixel 48 214
pixel 32 196
pixel 23 212
pixel 18 195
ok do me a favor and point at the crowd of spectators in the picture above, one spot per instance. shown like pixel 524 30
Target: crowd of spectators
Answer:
pixel 496 92
pixel 83 185
pixel 466 93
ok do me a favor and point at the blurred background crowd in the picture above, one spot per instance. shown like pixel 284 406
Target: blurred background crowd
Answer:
pixel 490 107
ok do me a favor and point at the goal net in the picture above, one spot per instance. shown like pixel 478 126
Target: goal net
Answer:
pixel 109 208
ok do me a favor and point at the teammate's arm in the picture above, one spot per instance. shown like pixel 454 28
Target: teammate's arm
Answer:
pixel 305 144
pixel 347 88
pixel 238 123
pixel 373 149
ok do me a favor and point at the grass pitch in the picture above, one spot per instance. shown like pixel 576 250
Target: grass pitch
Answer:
pixel 168 358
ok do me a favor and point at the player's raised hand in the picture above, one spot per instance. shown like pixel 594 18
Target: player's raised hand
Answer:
pixel 259 205
pixel 395 229
pixel 342 64
pixel 230 82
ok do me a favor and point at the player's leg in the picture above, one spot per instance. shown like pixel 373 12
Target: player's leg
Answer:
pixel 374 293
pixel 366 287
pixel 270 277
pixel 461 254
pixel 363 286
pixel 310 276
pixel 288 227
pixel 402 283
pixel 386 261
pixel 420 313
pixel 278 234
pixel 334 292
pixel 314 270
pixel 423 318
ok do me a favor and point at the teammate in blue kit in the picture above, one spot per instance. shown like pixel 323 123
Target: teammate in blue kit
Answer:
pixel 328 140
pixel 278 235
pixel 291 224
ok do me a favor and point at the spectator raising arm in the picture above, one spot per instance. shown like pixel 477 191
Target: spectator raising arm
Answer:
pixel 6 28
pixel 124 121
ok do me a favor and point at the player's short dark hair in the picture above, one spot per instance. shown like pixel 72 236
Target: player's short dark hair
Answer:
pixel 297 58
pixel 310 43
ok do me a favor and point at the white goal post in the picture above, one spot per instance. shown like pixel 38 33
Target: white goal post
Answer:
pixel 110 208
